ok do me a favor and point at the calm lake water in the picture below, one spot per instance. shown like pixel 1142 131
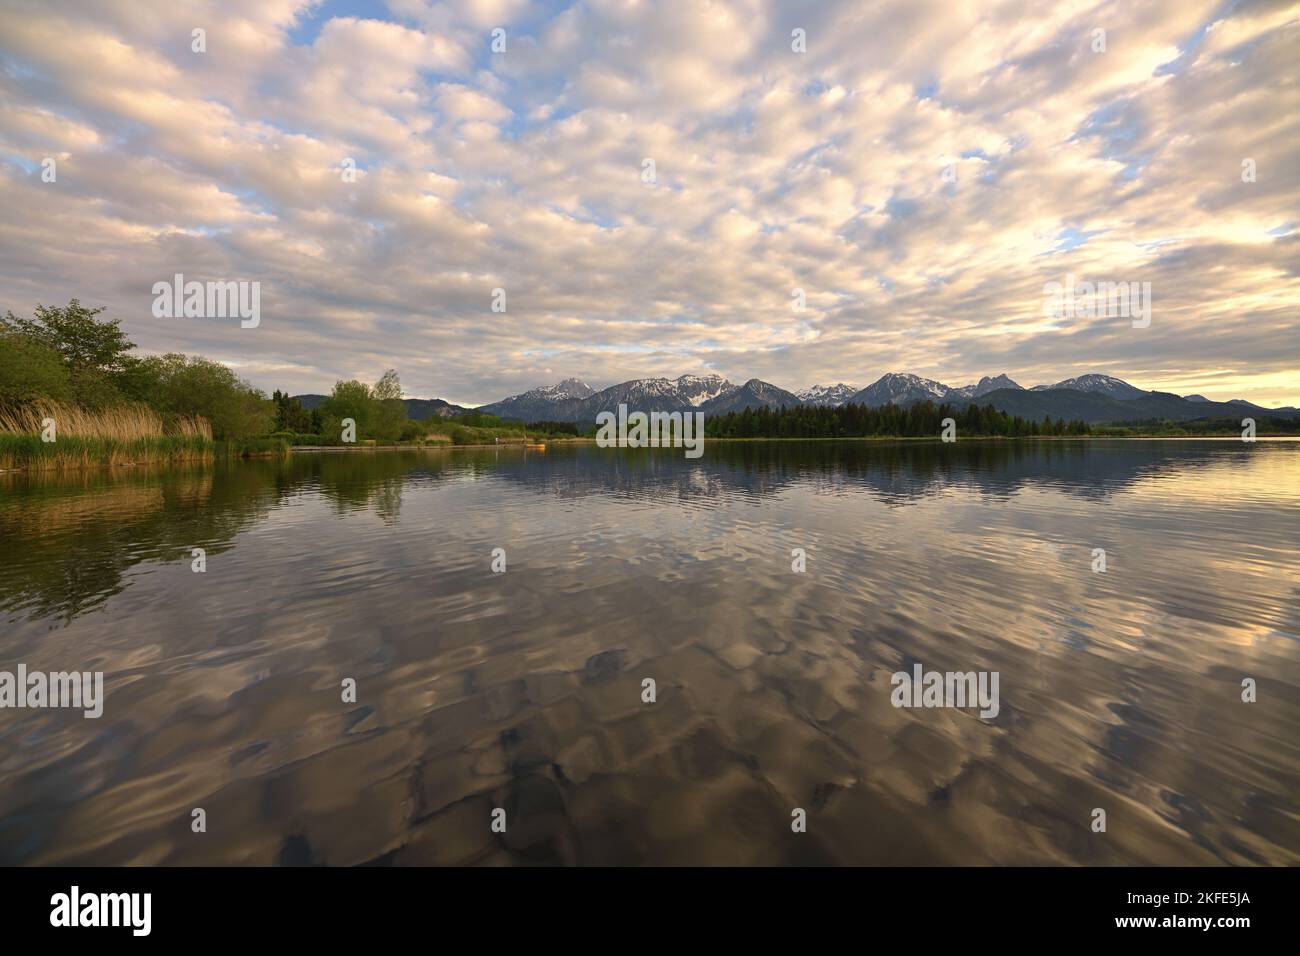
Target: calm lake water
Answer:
pixel 523 690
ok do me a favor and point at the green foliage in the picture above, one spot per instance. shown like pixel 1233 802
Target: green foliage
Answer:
pixel 478 420
pixel 922 420
pixel 554 429
pixel 176 384
pixel 388 387
pixel 31 370
pixel 469 435
pixel 1264 425
pixel 81 451
pixel 352 400
pixel 389 421
pixel 379 412
pixel 304 438
pixel 290 416
pixel 253 448
pixel 92 353
pixel 93 388
pixel 74 333
pixel 67 354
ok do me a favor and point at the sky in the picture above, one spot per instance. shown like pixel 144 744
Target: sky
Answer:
pixel 920 169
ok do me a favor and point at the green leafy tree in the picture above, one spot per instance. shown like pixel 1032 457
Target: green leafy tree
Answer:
pixel 74 333
pixel 290 416
pixel 31 370
pixel 391 418
pixel 378 411
pixel 351 399
pixel 192 385
pixel 93 352
pixel 480 420
pixel 388 387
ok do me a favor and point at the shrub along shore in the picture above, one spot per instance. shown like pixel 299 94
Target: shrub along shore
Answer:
pixel 68 365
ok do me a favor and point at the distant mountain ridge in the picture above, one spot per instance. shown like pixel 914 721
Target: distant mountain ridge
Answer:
pixel 753 394
pixel 1094 397
pixel 687 392
pixel 1097 408
pixel 419 409
pixel 1101 384
pixel 558 403
pixel 900 388
pixel 983 387
pixel 829 395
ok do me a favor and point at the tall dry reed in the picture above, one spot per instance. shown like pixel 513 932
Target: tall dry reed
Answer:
pixel 84 438
pixel 119 423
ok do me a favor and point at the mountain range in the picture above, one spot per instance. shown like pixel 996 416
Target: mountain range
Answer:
pixel 419 409
pixel 831 395
pixel 711 394
pixel 1094 398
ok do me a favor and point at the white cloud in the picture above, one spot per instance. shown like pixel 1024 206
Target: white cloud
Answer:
pixel 775 170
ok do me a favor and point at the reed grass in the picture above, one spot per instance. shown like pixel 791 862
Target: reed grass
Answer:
pixel 85 438
pixel 254 448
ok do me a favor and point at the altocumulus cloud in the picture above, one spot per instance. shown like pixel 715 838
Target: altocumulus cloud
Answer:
pixel 775 170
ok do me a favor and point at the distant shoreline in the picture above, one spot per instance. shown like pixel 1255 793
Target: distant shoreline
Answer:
pixel 898 439
pixel 883 439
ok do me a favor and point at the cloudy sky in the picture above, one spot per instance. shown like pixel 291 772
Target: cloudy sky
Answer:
pixel 774 170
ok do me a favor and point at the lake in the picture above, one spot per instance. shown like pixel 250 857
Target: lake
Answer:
pixel 524 690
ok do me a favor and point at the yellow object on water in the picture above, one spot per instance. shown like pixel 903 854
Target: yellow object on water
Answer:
pixel 535 446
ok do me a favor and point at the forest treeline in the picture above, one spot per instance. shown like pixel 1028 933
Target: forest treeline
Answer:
pixel 922 420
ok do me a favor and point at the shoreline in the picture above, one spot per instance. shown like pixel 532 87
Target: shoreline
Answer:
pixel 884 439
pixel 896 439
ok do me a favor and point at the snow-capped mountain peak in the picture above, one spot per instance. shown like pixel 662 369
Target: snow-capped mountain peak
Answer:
pixel 698 389
pixel 901 388
pixel 753 394
pixel 1095 382
pixel 827 395
pixel 908 380
pixel 544 402
pixel 984 386
pixel 574 400
pixel 688 391
pixel 569 388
